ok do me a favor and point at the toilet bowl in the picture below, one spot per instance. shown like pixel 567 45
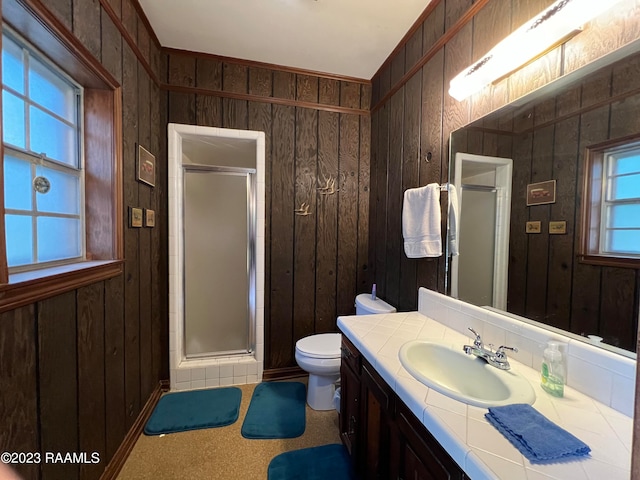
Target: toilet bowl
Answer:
pixel 319 355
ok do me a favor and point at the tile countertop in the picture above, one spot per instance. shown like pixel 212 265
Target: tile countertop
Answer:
pixel 478 448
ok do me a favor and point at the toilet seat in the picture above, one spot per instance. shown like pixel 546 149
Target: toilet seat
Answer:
pixel 324 345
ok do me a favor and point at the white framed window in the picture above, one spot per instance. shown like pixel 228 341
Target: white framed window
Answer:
pixel 620 226
pixel 43 159
pixel 611 204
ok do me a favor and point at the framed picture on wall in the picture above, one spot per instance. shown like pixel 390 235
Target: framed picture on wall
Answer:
pixel 146 167
pixel 149 218
pixel 541 193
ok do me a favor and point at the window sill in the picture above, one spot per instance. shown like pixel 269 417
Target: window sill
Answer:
pixel 29 287
pixel 607 261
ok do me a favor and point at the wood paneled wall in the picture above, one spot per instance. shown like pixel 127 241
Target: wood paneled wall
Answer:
pixel 76 369
pixel 413 115
pixel 454 34
pixel 547 141
pixel 317 128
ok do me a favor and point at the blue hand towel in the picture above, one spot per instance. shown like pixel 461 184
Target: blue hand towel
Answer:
pixel 537 438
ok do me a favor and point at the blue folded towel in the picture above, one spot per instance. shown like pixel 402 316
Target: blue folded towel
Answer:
pixel 537 438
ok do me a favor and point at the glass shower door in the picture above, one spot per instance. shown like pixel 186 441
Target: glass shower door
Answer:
pixel 219 220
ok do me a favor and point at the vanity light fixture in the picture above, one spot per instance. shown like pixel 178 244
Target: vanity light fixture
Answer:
pixel 548 28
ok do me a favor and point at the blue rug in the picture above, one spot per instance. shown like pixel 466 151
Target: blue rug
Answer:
pixel 317 463
pixel 193 410
pixel 277 410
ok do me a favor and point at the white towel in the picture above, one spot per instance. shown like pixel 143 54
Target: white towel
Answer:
pixel 454 221
pixel 421 222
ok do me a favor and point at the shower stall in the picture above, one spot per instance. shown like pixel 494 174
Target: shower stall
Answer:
pixel 216 256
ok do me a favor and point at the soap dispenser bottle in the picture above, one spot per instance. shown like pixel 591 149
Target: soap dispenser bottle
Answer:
pixel 552 380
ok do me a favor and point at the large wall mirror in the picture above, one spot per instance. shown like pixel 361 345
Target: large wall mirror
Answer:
pixel 520 178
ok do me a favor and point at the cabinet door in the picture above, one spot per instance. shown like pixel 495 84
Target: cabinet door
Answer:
pixel 349 410
pixel 376 424
pixel 421 457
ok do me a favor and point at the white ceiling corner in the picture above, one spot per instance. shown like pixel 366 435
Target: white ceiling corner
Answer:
pixel 342 37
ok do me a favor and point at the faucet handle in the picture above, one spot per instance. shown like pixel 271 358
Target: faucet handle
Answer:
pixel 478 341
pixel 500 351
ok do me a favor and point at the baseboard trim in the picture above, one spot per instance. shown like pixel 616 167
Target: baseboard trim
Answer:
pixel 282 373
pixel 121 455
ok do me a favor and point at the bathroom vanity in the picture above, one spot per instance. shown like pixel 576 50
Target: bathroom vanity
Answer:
pixel 384 438
pixel 396 427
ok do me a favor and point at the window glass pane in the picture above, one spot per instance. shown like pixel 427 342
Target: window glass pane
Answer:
pixel 17 183
pixel 58 238
pixel 51 91
pixel 628 163
pixel 12 66
pixel 64 194
pixel 625 187
pixel 13 120
pixel 19 237
pixel 623 241
pixel 52 137
pixel 623 216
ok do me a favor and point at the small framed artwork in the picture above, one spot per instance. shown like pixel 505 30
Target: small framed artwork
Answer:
pixel 146 167
pixel 135 217
pixel 149 218
pixel 558 228
pixel 541 193
pixel 533 227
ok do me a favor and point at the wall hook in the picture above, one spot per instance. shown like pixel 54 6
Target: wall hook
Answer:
pixel 329 188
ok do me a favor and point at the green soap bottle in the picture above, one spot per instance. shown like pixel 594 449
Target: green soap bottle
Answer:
pixel 552 377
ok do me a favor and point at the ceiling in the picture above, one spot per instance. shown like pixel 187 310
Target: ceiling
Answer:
pixel 343 37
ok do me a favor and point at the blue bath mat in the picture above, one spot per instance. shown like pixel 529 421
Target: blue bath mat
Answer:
pixel 277 410
pixel 193 410
pixel 317 463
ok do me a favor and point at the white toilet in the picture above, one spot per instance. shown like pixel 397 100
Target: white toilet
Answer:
pixel 319 355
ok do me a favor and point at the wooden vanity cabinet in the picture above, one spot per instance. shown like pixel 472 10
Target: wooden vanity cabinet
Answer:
pixel 384 438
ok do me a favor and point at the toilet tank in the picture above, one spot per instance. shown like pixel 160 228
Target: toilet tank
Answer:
pixel 365 305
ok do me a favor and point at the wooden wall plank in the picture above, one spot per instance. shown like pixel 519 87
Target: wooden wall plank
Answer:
pixel 148 380
pixel 91 388
pixel 208 110
pixel 284 85
pixel 111 44
pixel 58 373
pixel 363 272
pixel 235 78
pixel 130 18
pixel 307 88
pixel 279 336
pixel 373 195
pixel 235 113
pixel 408 299
pixel 208 73
pixel 414 49
pixel 19 408
pixel 433 27
pixel 617 303
pixel 539 243
pixel 381 200
pixel 86 15
pixel 431 141
pixel 182 70
pixel 261 119
pixel 131 245
pixel 63 10
pixel 350 95
pixel 115 402
pixel 394 198
pixel 306 164
pixel 327 229
pixel 329 91
pixel 182 108
pixel 348 213
pixel 260 82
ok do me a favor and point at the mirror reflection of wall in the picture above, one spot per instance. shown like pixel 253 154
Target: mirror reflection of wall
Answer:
pixel 547 138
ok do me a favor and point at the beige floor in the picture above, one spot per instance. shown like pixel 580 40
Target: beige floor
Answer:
pixel 221 453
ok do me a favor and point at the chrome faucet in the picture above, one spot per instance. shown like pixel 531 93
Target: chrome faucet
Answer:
pixel 496 359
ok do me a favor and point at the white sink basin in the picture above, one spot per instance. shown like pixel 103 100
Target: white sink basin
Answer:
pixel 466 378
